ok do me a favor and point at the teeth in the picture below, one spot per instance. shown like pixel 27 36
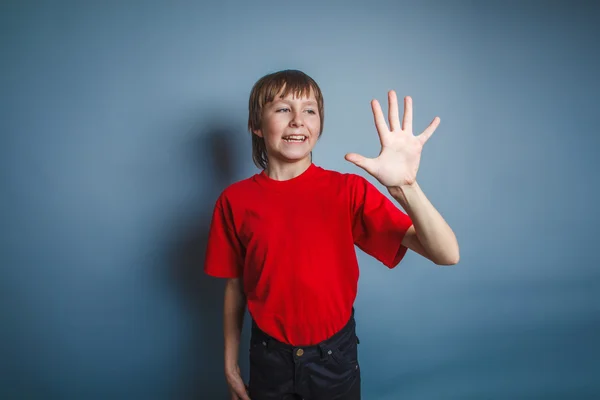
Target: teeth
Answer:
pixel 294 138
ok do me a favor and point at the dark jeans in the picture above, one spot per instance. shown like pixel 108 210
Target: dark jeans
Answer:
pixel 326 371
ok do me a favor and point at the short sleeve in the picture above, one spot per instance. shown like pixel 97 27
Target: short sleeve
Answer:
pixel 378 226
pixel 224 252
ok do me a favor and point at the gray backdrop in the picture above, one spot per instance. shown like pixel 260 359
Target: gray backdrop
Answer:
pixel 121 122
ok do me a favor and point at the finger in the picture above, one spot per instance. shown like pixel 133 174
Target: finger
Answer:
pixel 408 115
pixel 368 164
pixel 240 395
pixel 379 118
pixel 394 119
pixel 426 134
pixel 242 392
pixel 239 390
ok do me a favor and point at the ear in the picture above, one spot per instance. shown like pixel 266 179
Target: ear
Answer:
pixel 258 132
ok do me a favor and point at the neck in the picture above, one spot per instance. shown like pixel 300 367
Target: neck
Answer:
pixel 282 171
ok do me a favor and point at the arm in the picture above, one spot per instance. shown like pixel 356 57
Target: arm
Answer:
pixel 430 235
pixel 396 168
pixel 233 319
pixel 224 259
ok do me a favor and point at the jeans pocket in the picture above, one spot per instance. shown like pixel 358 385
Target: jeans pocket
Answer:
pixel 258 350
pixel 346 353
pixel 270 368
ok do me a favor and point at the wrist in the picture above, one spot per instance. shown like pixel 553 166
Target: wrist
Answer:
pixel 231 368
pixel 402 190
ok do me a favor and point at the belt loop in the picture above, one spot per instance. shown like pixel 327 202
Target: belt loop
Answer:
pixel 323 351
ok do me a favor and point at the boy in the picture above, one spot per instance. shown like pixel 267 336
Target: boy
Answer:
pixel 284 239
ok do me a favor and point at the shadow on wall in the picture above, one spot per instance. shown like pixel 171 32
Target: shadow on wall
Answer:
pixel 202 295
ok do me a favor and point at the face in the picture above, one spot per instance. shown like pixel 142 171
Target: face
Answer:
pixel 290 127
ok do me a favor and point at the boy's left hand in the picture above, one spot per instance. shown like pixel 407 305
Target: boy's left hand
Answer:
pixel 398 161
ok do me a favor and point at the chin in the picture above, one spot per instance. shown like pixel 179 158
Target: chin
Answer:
pixel 294 156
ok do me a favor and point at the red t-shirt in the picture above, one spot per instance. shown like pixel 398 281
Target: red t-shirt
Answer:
pixel 293 243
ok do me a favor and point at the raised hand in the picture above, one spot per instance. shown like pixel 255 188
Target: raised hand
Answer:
pixel 400 155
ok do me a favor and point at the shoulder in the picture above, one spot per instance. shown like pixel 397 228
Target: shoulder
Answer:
pixel 354 184
pixel 354 188
pixel 237 191
pixel 346 179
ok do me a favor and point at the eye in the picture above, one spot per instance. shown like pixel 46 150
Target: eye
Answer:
pixel 282 109
pixel 311 111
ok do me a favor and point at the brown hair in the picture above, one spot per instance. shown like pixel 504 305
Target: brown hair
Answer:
pixel 264 91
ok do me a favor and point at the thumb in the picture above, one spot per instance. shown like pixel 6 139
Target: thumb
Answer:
pixel 245 395
pixel 238 395
pixel 363 162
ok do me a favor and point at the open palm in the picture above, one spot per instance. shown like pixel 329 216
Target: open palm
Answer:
pixel 400 155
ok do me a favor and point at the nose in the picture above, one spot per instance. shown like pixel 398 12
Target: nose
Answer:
pixel 297 119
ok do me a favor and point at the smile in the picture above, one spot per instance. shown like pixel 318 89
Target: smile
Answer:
pixel 295 138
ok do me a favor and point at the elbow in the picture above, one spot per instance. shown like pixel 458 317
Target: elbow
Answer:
pixel 453 256
pixel 452 261
pixel 449 259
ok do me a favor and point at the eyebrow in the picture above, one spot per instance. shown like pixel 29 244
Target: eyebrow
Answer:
pixel 309 102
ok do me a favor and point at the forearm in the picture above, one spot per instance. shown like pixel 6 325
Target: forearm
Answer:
pixel 233 319
pixel 435 235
